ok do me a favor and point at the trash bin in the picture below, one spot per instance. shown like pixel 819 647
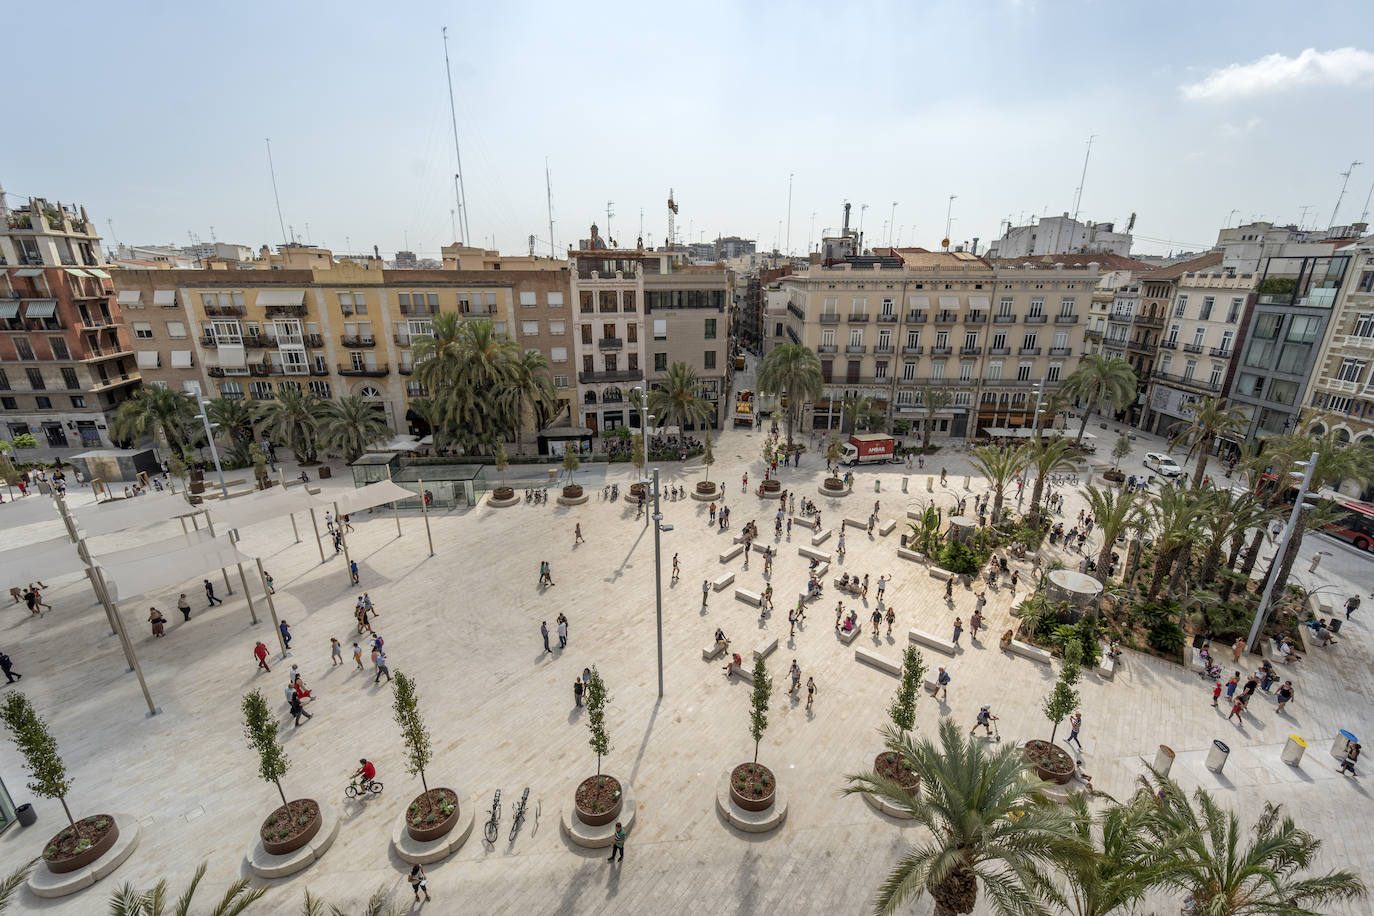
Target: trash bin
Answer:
pixel 26 815
pixel 1216 757
pixel 1164 759
pixel 1343 740
pixel 904 482
pixel 325 472
pixel 877 486
pixel 1334 624
pixel 1292 751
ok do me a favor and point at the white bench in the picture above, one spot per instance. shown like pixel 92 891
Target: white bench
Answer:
pixel 715 649
pixel 848 636
pixel 738 671
pixel 821 570
pixel 812 553
pixel 887 527
pixel 915 514
pixel 723 581
pixel 906 554
pixel 748 597
pixel 821 537
pixel 852 588
pixel 737 539
pixel 805 522
pixel 855 523
pixel 1034 653
pixel 941 574
pixel 935 642
pixel 1106 667
pixel 764 549
pixel 728 555
pixel 765 649
pixel 881 662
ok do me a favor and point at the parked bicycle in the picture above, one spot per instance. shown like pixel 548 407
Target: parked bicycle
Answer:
pixel 492 830
pixel 518 816
pixel 357 789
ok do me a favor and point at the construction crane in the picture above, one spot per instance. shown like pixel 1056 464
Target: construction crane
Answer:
pixel 672 219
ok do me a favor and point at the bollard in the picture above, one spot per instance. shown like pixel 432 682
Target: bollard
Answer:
pixel 966 480
pixel 877 486
pixel 1343 741
pixel 1216 757
pixel 1164 759
pixel 904 481
pixel 930 483
pixel 1292 751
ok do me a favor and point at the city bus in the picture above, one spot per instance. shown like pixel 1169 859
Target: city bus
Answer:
pixel 1354 519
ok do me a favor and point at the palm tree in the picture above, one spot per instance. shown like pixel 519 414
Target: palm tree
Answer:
pixel 1231 871
pixel 428 410
pixel 528 393
pixel 792 371
pixel 1211 418
pixel 1000 465
pixel 294 418
pixel 984 822
pixel 1113 511
pixel 351 424
pixel 674 398
pixel 128 901
pixel 1129 862
pixel 466 365
pixel 1173 517
pixel 1099 377
pixel 859 412
pixel 1046 458
pixel 1229 515
pixel 934 400
pixel 1278 463
pixel 237 420
pixel 153 410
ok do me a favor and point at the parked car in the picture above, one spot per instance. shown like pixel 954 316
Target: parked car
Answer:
pixel 1163 465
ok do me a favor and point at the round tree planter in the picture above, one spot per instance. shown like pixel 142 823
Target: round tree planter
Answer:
pixel 826 491
pixel 502 497
pixel 1050 763
pixel 269 865
pixel 633 492
pixel 67 859
pixel 45 883
pixel 758 785
pixel 414 852
pixel 710 494
pixel 750 821
pixel 882 767
pixel 605 791
pixel 598 836
pixel 578 498
pixel 290 827
pixel 425 832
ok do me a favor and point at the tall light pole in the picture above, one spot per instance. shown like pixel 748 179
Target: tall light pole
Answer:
pixel 1311 466
pixel 789 213
pixel 658 582
pixel 204 416
pixel 891 223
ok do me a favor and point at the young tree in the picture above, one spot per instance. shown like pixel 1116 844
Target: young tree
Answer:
pixel 39 750
pixel 758 704
pixel 903 708
pixel 933 400
pixel 1063 699
pixel 834 451
pixel 501 462
pixel 792 371
pixel 708 457
pixel 769 453
pixel 405 709
pixel 637 454
pixel 259 465
pixel 1121 450
pixel 570 463
pixel 260 729
pixel 596 700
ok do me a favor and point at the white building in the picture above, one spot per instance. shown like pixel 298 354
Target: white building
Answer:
pixel 1060 235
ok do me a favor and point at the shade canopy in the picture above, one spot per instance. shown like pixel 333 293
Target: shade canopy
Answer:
pixel 40 562
pixel 169 568
pixel 261 506
pixel 374 494
pixel 26 511
pixel 118 514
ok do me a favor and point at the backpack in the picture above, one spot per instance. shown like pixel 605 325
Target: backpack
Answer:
pixel 943 678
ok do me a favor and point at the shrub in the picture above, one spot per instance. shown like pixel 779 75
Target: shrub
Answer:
pixel 1167 637
pixel 962 559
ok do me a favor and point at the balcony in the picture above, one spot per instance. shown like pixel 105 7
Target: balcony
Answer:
pixel 887 319
pixel 857 318
pixel 1197 383
pixel 1142 321
pixel 946 317
pixel 913 351
pixel 610 343
pixel 1004 319
pixel 357 342
pixel 1028 351
pixel 95 324
pixel 1036 319
pixel 883 348
pixel 1221 352
pixel 113 381
pixel 830 318
pixel 978 317
pixel 230 311
pixel 371 371
pixel 1139 346
pixel 855 348
pixel 796 311
pixel 1192 348
pixel 101 353
pixel 320 371
pixel 416 311
pixel 916 316
pixel 941 351
pixel 1093 334
pixel 1121 317
pixel 970 351
pixel 1061 351
pixel 826 348
pixel 614 375
pixel 999 351
pixel 1065 319
pixel 402 340
pixel 405 370
pixel 281 311
pixel 1168 344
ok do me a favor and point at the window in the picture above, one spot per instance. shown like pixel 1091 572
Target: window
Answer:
pixel 4 380
pixel 528 298
pixel 22 347
pixel 1037 307
pixel 1189 368
pixel 1303 329
pixel 1028 341
pixel 44 403
pixel 906 398
pixel 1364 325
pixel 1226 338
pixel 856 337
pixel 660 329
pixel 1283 392
pixel 1066 306
pixel 913 339
pixel 660 362
pixel 557 328
pixel 777 329
pixel 414 389
pixel 710 329
pixel 320 389
pixel 632 333
pixel 560 381
pixel 232 391
pixel 1061 340
pixel 586 330
pixel 1055 370
pixel 937 370
pixel 499 327
pixel 36 379
pixel 9 403
pixel 59 348
pixel 529 328
pixel 1234 313
pixel 633 362
pixel 970 339
pixel 1351 370
pixel 1004 306
pixel 710 359
pixel 1199 335
pixel 828 337
pixel 1181 306
pixel 555 300
pixel 69 380
pixel 1166 363
pixel 176 330
pixel 1340 405
pixel 966 371
pixel 1366 283
pixel 1023 372
pixel 295 388
pixel 558 354
pixel 143 330
pixel 260 391
pixel 859 307
pixel 464 307
pixel 909 371
pixel 832 305
pixel 1207 303
pixel 1215 378
pixel 887 307
pixel 995 371
pixel 999 340
pixel 78 402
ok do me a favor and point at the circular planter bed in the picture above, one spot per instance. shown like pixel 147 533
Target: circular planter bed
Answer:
pixel 290 827
pixel 834 486
pixel 432 814
pixel 772 485
pixel 889 764
pixel 572 495
pixel 502 493
pixel 1114 476
pixel 72 849
pixel 636 490
pixel 598 800
pixel 752 786
pixel 1052 764
pixel 572 490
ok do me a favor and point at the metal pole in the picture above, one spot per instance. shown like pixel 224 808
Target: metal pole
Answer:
pixel 128 646
pixel 1288 530
pixel 658 582
pixel 316 525
pixel 396 505
pixel 229 589
pixel 343 539
pixel 252 612
pixel 214 453
pixel 424 507
pixel 271 606
pixel 294 529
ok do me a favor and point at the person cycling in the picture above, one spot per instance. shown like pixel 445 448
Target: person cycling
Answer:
pixel 368 772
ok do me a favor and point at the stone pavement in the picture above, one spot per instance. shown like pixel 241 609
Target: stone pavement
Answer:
pixel 465 625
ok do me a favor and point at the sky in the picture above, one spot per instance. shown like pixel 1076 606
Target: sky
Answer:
pixel 155 116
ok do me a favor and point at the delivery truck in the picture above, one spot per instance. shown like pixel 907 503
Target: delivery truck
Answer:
pixel 869 448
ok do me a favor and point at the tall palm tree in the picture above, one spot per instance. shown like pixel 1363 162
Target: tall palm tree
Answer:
pixel 1113 511
pixel 1000 465
pixel 933 400
pixel 154 410
pixel 1173 518
pixel 1046 457
pixel 466 366
pixel 985 823
pixel 1211 418
pixel 126 900
pixel 352 423
pixel 428 410
pixel 1229 515
pixel 1130 862
pixel 1099 377
pixel 792 371
pixel 294 419
pixel 860 412
pixel 1278 463
pixel 674 398
pixel 529 393
pixel 1231 871
pixel 236 419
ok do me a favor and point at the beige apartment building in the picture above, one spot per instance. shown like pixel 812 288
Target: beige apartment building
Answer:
pixel 990 335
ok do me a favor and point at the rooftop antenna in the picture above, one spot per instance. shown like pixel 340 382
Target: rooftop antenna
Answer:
pixel 641 222
pixel 862 208
pixel 273 169
pixel 459 193
pixel 672 219
pixel 1363 215
pixel 811 237
pixel 212 234
pixel 790 175
pixel 307 233
pixel 1231 217
pixel 452 225
pixel 1345 180
pixel 1302 214
pixel 548 193
pixel 531 244
pixel 891 223
pixel 1078 194
pixel 110 223
pixel 949 218
pixel 609 214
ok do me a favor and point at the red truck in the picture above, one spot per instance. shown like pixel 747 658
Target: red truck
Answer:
pixel 869 448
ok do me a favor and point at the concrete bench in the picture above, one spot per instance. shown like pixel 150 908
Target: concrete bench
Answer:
pixel 906 554
pixel 741 672
pixel 881 662
pixel 1106 667
pixel 856 523
pixel 728 555
pixel 848 636
pixel 851 588
pixel 821 570
pixel 737 539
pixel 713 650
pixel 766 648
pixel 1034 653
pixel 748 597
pixel 941 574
pixel 935 642
pixel 723 581
pixel 812 553
pixel 764 549
pixel 887 527
pixel 821 537
pixel 805 522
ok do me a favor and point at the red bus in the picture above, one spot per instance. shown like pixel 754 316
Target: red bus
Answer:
pixel 1354 522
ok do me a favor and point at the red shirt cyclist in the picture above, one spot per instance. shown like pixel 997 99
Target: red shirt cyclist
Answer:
pixel 368 772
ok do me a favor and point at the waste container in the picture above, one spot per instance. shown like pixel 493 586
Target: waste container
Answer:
pixel 1164 759
pixel 1343 740
pixel 1292 751
pixel 904 482
pixel 1334 624
pixel 877 486
pixel 26 815
pixel 1216 757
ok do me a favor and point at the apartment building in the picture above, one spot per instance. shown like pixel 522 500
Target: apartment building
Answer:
pixel 1199 339
pixel 1053 235
pixel 991 335
pixel 66 363
pixel 163 337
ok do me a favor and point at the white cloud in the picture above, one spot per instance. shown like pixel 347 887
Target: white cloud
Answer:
pixel 1235 130
pixel 1276 73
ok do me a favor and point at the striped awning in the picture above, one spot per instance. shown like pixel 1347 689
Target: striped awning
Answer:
pixel 9 310
pixel 77 272
pixel 40 308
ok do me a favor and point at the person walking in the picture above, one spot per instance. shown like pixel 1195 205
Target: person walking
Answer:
pixel 975 623
pixel 1216 694
pixel 810 691
pixel 891 619
pixel 985 719
pixel 210 594
pixel 958 629
pixel 1231 685
pixel 791 623
pixel 882 586
pixel 1284 695
pixel 335 653
pixel 562 632
pixel 184 606
pixel 942 683
pixel 260 652
pixel 1352 604
pixel 418 882
pixel 544 632
pixel 618 843
pixel 949 589
pixel 382 668
pixel 1075 723
pixel 577 691
pixel 1352 754
pixel 795 674
pixel 358 656
pixel 298 710
pixel 1248 690
pixel 545 573
pixel 157 620
pixel 1237 709
pixel 285 634
pixel 677 570
pixel 705 591
pixel 353 571
pixel 271 585
pixel 877 618
pixel 7 666
pixel 1237 649
pixel 577 535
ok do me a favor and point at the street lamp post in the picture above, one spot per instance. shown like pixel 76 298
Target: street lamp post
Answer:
pixel 1311 466
pixel 214 452
pixel 658 582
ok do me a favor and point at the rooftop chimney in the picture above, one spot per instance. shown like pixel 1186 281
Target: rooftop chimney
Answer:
pixel 846 219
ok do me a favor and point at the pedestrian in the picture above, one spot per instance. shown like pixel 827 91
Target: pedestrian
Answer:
pixel 810 691
pixel 353 571
pixel 328 521
pixel 1237 649
pixel 562 632
pixel 1237 709
pixel 795 674
pixel 618 843
pixel 744 483
pixel 705 590
pixel 358 656
pixel 1015 577
pixel 975 623
pixel 942 682
pixel 712 520
pixel 297 710
pixel 791 623
pixel 544 632
pixel 577 535
pixel 984 719
pixel 7 666
pixel 382 668
pixel 1231 685
pixel 285 634
pixel 260 651
pixel 418 882
pixel 1216 694
pixel 882 586
pixel 347 526
pixel 577 691
pixel 789 527
pixel 271 586
pixel 184 606
pixel 157 620
pixel 877 619
pixel 1248 690
pixel 1352 604
pixel 210 594
pixel 942 477
pixel 958 629
pixel 338 542
pixel 891 619
pixel 1284 695
pixel 335 652
pixel 1352 754
pixel 676 568
pixel 949 589
pixel 1075 723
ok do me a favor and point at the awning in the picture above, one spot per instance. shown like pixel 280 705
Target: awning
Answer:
pixel 9 309
pixel 118 514
pixel 170 568
pixel 57 558
pixel 181 359
pixel 920 302
pixel 374 494
pixel 949 303
pixel 979 302
pixel 95 272
pixel 130 296
pixel 232 356
pixel 281 297
pixel 76 272
pixel 29 272
pixel 164 297
pixel 154 548
pixel 261 506
pixel 148 359
pixel 40 308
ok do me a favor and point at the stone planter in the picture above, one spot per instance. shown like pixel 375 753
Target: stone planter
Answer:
pixel 66 859
pixel 325 472
pixel 598 792
pixel 759 786
pixel 46 883
pixel 572 495
pixel 706 491
pixel 502 497
pixel 1050 763
pixel 636 491
pixel 425 804
pixel 287 819
pixel 833 486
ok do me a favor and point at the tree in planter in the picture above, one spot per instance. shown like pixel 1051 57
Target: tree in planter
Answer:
pixel 1211 418
pixel 259 465
pixel 834 451
pixel 1063 698
pixel 637 454
pixel 708 458
pixel 596 700
pixel 405 709
pixel 792 371
pixel 1000 465
pixel 758 704
pixel 1097 378
pixel 1046 457
pixel 570 463
pixel 500 461
pixel 903 708
pixel 39 750
pixel 769 455
pixel 933 400
pixel 1120 450
pixel 260 728
pixel 1113 510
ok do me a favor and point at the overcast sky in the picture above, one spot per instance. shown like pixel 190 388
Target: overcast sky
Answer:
pixel 154 116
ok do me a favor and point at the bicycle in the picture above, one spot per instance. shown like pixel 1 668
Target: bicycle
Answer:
pixel 518 815
pixel 355 790
pixel 492 830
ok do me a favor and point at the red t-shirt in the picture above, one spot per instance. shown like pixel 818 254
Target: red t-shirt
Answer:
pixel 260 651
pixel 369 770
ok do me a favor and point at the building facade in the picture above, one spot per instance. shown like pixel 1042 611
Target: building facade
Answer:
pixel 1060 235
pixel 1342 391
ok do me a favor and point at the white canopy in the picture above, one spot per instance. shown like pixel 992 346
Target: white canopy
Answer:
pixel 118 514
pixel 132 577
pixel 154 548
pixel 398 444
pixel 26 511
pixel 374 494
pixel 260 506
pixel 40 562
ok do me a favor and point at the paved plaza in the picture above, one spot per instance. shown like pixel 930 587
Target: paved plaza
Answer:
pixel 465 625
